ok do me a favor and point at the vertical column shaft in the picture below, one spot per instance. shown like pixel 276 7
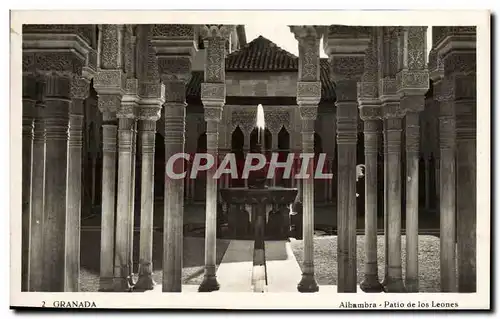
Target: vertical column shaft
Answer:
pixel 37 202
pixel 109 143
pixel 147 130
pixel 346 196
pixel 132 196
pixel 72 257
pixel 27 164
pixel 122 239
pixel 394 129
pixel 175 114
pixel 371 281
pixel 447 203
pixel 412 131
pixel 54 224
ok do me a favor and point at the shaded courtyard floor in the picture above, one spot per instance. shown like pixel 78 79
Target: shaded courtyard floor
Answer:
pixel 325 259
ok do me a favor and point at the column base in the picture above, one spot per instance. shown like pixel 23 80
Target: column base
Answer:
pixel 411 285
pixel 371 284
pixel 308 284
pixel 122 285
pixel 106 284
pixel 145 282
pixel 209 284
pixel 395 285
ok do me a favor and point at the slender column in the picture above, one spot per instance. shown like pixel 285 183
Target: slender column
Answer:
pixel 57 97
pixel 447 180
pixel 308 97
pixel 79 92
pixel 37 198
pixel 308 282
pixel 174 50
pixel 386 206
pixel 371 282
pixel 29 100
pixel 109 143
pixel 122 268
pixel 147 132
pixel 132 196
pixel 369 108
pixel 427 182
pixel 213 96
pixel 109 83
pixel 394 129
pixel 413 84
pixel 347 68
pixel 456 51
pixel 152 96
pixel 466 186
pixel 412 154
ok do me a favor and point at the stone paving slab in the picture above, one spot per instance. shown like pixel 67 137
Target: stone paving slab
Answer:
pixel 283 271
pixel 235 270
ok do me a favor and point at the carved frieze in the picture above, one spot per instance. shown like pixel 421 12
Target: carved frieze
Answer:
pixel 110 82
pixel 173 30
pixel 61 63
pixel 85 31
pixel 308 112
pixel 174 68
pixel 412 82
pixel 308 37
pixel 416 41
pixel 212 113
pixel 213 92
pixel 347 67
pixel 276 119
pixel 108 103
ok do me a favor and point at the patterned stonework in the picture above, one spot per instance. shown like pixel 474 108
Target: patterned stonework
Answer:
pixel 108 103
pixel 244 119
pixel 347 67
pixel 212 113
pixel 111 45
pixel 308 113
pixel 62 63
pixel 276 119
pixel 79 88
pixel 175 92
pixel 216 31
pixel 214 64
pixel 416 47
pixel 308 38
pixel 308 91
pixel 173 30
pixel 369 112
pixel 213 92
pixel 148 113
pixel 174 68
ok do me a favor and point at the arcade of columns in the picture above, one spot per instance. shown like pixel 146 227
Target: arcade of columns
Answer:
pixel 381 71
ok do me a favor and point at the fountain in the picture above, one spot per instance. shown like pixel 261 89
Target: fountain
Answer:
pixel 258 195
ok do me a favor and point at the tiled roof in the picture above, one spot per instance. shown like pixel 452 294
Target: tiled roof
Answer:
pixel 262 55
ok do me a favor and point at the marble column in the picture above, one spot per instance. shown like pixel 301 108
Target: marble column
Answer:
pixel 58 103
pixel 37 200
pixel 132 196
pixel 457 49
pixel 388 55
pixel 347 68
pixel 413 84
pixel 369 109
pixel 466 182
pixel 174 50
pixel 213 96
pixel 394 135
pixel 147 132
pixel 308 97
pixel 386 205
pixel 152 97
pixel 122 268
pixel 79 92
pixel 371 135
pixel 29 101
pixel 109 84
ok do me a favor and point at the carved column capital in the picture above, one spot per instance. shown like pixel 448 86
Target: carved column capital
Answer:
pixel 370 112
pixel 148 113
pixel 208 31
